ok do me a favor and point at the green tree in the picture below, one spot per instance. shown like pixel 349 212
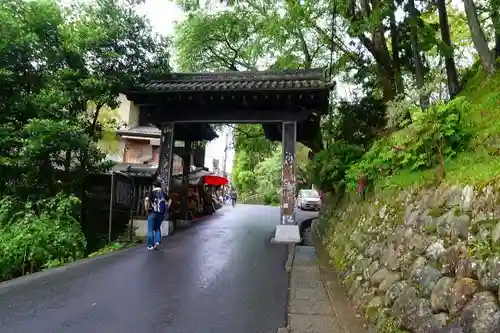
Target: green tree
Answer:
pixel 479 37
pixel 397 61
pixel 55 61
pixel 268 178
pixel 61 69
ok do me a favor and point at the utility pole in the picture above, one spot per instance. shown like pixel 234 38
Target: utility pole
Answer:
pixel 226 147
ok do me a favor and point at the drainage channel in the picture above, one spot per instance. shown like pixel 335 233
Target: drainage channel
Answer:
pixel 306 232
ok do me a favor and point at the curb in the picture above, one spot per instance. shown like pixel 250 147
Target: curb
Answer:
pixel 329 292
pixel 51 271
pixel 331 298
pixel 291 256
pixel 288 268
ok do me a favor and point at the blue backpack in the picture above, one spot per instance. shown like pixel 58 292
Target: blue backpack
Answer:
pixel 159 201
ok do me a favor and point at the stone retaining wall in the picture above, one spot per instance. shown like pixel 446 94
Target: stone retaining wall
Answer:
pixel 421 261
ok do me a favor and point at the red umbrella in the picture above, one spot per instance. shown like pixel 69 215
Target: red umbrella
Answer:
pixel 215 180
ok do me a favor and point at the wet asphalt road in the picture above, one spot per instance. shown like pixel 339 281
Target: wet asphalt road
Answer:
pixel 221 275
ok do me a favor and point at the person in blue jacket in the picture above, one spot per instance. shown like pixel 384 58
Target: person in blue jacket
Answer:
pixel 156 204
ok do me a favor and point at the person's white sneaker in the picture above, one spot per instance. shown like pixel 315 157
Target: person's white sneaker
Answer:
pixel 150 248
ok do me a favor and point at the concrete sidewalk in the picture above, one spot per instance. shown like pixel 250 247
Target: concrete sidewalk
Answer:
pixel 310 310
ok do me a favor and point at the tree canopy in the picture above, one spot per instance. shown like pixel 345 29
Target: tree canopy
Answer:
pixel 62 67
pixel 394 55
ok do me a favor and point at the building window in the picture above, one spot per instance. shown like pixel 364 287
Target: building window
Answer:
pixel 156 154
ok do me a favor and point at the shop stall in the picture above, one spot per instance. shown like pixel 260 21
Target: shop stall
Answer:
pixel 196 194
pixel 215 186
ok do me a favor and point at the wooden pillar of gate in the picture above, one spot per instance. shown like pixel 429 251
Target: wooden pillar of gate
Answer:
pixel 186 161
pixel 288 230
pixel 288 174
pixel 164 172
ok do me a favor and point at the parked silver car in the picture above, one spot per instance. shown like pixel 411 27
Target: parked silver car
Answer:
pixel 308 199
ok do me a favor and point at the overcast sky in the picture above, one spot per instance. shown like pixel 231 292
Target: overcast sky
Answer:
pixel 163 15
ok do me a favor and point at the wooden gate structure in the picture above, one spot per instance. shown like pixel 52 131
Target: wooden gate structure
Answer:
pixel 288 104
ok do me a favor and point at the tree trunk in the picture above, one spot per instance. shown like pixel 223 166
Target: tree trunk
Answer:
pixel 451 68
pixel 377 46
pixel 47 170
pixel 386 80
pixel 96 119
pixel 495 18
pixel 497 45
pixel 478 37
pixel 419 69
pixel 395 51
pixel 308 58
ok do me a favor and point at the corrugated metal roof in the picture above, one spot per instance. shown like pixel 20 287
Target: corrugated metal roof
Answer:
pixel 144 130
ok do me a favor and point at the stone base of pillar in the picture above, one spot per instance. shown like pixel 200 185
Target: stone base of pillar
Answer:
pixel 141 228
pixel 286 234
pixel 183 223
pixel 167 228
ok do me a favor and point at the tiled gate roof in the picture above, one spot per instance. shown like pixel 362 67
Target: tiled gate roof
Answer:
pixel 306 79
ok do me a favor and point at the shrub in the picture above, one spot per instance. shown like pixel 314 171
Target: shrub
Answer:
pixel 34 235
pixel 329 166
pixel 356 122
pixel 435 134
pixel 375 161
pixel 271 198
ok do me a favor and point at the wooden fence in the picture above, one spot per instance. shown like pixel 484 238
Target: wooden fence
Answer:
pixel 141 189
pixel 107 208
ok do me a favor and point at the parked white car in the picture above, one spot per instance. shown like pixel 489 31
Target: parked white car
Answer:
pixel 308 199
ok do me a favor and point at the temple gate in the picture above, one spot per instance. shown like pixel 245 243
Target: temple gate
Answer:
pixel 288 104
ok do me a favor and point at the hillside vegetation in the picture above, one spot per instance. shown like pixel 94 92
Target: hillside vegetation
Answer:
pixel 421 251
pixel 457 142
pixel 402 61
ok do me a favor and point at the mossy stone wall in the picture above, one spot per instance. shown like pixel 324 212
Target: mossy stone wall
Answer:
pixel 421 260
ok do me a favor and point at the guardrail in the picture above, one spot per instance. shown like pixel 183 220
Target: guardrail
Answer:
pixel 252 198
